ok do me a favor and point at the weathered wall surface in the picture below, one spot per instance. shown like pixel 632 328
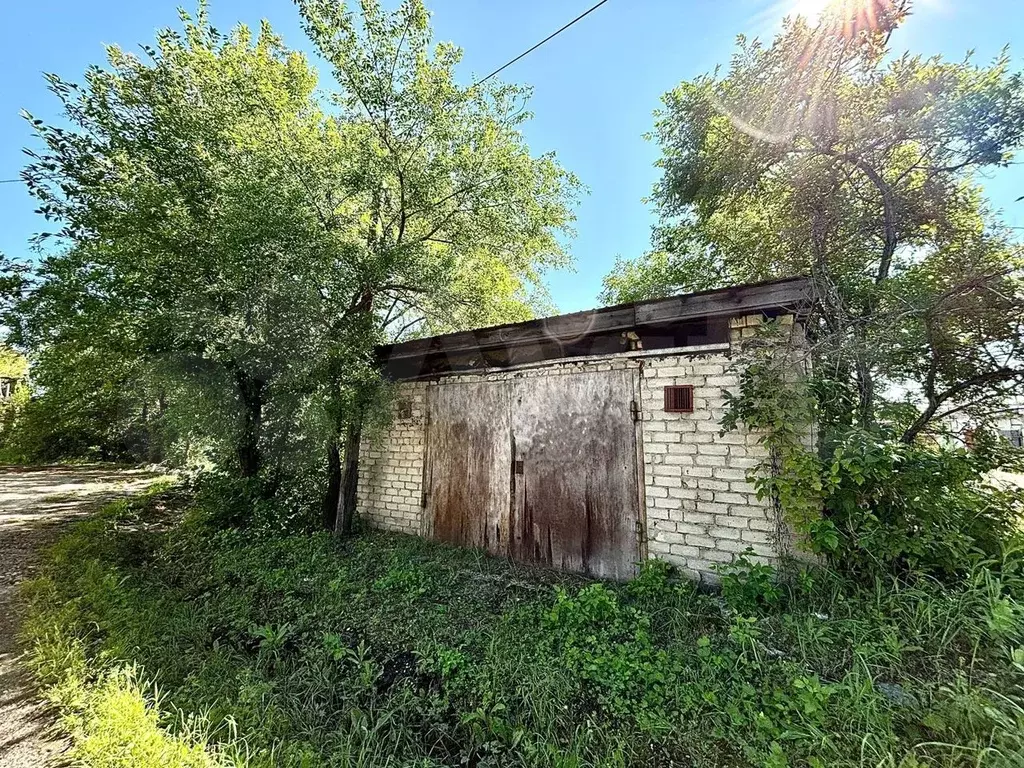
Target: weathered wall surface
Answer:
pixel 701 510
pixel 697 508
pixel 390 489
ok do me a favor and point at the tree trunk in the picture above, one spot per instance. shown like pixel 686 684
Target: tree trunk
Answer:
pixel 339 507
pixel 350 478
pixel 250 390
pixel 339 504
pixel 155 441
pixel 333 494
pixel 866 389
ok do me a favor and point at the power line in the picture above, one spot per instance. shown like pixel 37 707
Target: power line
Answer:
pixel 538 45
pixel 503 67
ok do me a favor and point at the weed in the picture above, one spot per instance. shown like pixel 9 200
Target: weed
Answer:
pixel 300 650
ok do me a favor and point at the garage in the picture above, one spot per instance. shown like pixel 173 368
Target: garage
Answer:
pixel 584 442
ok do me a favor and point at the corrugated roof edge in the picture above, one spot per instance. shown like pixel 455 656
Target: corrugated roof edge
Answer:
pixel 786 293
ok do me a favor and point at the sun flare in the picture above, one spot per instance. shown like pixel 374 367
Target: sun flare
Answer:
pixel 853 15
pixel 810 9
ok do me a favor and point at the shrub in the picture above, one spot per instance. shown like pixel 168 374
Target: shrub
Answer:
pixel 226 501
pixel 748 586
pixel 902 508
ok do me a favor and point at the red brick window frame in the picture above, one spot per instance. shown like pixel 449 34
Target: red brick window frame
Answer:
pixel 679 399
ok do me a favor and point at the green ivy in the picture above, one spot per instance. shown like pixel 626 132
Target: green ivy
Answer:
pixel 872 504
pixel 776 403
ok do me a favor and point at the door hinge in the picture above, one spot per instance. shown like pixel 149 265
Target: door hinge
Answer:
pixel 634 410
pixel 641 532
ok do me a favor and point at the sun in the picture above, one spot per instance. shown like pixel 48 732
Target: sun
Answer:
pixel 853 15
pixel 810 9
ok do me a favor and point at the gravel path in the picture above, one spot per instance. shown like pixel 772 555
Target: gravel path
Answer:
pixel 35 505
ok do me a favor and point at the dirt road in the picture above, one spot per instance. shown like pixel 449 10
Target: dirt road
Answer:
pixel 35 505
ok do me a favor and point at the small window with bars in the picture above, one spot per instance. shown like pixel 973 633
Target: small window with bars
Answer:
pixel 679 399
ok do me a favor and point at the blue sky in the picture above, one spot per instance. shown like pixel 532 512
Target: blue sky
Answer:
pixel 596 85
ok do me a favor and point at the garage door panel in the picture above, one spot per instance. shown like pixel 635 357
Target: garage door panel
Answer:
pixel 577 501
pixel 469 456
pixel 541 469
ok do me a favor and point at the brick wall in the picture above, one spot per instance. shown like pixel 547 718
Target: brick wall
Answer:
pixel 699 508
pixel 390 489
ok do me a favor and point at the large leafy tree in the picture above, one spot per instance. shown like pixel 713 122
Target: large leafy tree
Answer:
pixel 457 219
pixel 189 239
pixel 824 154
pixel 240 248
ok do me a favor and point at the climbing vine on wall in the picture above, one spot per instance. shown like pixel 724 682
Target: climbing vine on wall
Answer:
pixel 773 400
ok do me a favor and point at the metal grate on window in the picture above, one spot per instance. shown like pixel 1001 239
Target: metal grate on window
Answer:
pixel 679 399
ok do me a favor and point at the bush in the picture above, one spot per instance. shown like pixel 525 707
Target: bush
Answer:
pixel 226 501
pixel 748 586
pixel 43 429
pixel 905 509
pixel 874 505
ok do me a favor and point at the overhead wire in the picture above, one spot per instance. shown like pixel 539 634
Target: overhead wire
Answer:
pixel 527 52
pixel 500 69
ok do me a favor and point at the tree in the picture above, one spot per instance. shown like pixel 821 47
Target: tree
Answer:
pixel 457 218
pixel 241 249
pixel 188 241
pixel 821 154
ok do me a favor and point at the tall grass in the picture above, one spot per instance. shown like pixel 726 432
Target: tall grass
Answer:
pixel 178 645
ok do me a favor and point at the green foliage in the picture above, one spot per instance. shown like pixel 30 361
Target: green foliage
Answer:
pixel 12 364
pixel 294 650
pixel 185 155
pixel 653 276
pixel 79 418
pixel 284 235
pixel 225 501
pixel 14 367
pixel 120 728
pixel 873 504
pixel 774 402
pixel 748 586
pixel 610 646
pixel 826 154
pixel 916 509
pixel 16 426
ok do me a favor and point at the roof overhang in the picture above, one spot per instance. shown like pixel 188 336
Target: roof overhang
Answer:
pixel 791 295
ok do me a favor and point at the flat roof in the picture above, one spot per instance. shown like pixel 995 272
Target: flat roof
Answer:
pixel 788 294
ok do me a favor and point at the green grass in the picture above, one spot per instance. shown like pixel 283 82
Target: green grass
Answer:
pixel 176 645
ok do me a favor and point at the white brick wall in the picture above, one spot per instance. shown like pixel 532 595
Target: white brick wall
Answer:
pixel 390 490
pixel 699 508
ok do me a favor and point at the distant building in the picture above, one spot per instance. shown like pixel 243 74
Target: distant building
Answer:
pixel 7 386
pixel 1009 424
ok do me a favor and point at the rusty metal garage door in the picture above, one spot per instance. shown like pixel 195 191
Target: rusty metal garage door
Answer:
pixel 575 479
pixel 542 469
